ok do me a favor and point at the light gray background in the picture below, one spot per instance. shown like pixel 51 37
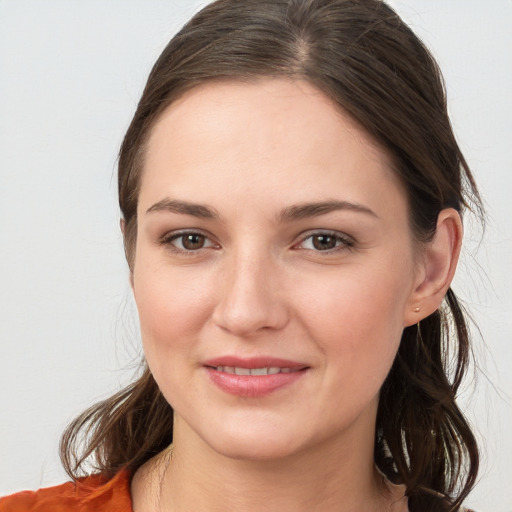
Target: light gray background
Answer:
pixel 71 73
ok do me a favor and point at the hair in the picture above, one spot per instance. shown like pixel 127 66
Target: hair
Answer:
pixel 367 60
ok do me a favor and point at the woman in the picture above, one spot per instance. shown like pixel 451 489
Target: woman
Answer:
pixel 291 194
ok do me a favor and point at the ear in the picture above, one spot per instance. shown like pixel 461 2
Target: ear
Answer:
pixel 436 267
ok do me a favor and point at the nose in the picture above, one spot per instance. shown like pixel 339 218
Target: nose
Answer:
pixel 250 297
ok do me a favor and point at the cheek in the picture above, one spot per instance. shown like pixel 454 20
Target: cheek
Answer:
pixel 358 322
pixel 172 310
pixel 172 306
pixel 360 299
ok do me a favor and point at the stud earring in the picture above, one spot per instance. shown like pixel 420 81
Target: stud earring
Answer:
pixel 416 309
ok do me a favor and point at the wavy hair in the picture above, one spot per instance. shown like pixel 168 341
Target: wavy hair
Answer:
pixel 367 60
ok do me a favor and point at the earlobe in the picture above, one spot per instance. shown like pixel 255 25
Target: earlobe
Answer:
pixel 439 261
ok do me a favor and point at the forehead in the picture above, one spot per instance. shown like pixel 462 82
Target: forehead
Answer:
pixel 259 136
pixel 217 107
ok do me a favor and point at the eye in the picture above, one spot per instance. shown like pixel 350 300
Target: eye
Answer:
pixel 188 241
pixel 325 242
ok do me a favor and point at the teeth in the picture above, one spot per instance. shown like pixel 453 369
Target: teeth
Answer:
pixel 253 371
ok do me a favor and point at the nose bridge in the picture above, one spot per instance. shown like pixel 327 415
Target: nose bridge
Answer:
pixel 250 298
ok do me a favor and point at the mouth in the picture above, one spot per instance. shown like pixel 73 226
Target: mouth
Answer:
pixel 237 370
pixel 253 377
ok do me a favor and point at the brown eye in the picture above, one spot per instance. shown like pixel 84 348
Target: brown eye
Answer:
pixel 324 242
pixel 193 241
pixel 327 242
pixel 188 241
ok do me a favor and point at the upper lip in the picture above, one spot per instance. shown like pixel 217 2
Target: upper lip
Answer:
pixel 254 362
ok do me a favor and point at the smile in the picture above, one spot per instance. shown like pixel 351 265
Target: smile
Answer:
pixel 273 370
pixel 254 377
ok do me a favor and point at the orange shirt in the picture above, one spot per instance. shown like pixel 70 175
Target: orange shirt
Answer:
pixel 90 494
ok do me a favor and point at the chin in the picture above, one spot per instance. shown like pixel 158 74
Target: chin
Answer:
pixel 254 450
pixel 253 444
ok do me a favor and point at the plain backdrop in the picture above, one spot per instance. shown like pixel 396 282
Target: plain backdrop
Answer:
pixel 71 73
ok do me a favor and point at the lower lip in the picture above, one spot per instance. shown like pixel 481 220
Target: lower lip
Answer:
pixel 252 386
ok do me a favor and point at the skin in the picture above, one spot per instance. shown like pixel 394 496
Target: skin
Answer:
pixel 262 283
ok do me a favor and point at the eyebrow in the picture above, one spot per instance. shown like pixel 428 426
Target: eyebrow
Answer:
pixel 303 211
pixel 288 214
pixel 184 207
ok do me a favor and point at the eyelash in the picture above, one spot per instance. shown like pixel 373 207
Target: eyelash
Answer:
pixel 342 242
pixel 169 238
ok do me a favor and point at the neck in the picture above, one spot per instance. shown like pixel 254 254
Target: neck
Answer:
pixel 330 477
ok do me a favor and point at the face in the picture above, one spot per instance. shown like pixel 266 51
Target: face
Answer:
pixel 273 268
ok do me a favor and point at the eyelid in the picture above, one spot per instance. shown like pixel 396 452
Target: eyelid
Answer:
pixel 170 236
pixel 347 242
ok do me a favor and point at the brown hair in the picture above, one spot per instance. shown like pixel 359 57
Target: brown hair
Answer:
pixel 365 58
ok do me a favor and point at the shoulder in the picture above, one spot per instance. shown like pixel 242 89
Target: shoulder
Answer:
pixel 93 493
